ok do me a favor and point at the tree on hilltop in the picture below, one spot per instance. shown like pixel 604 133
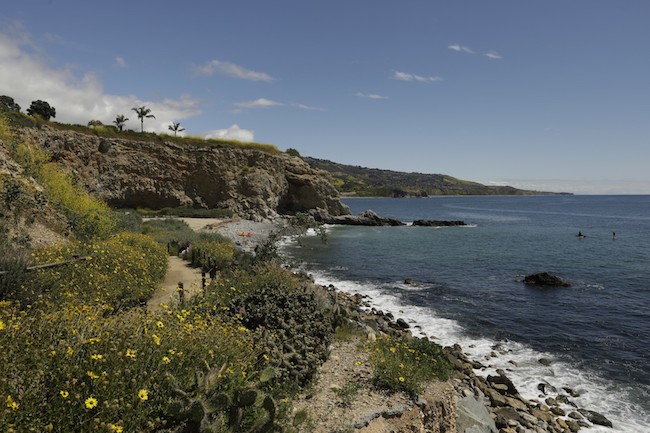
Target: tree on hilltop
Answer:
pixel 9 103
pixel 176 127
pixel 41 108
pixel 119 121
pixel 143 112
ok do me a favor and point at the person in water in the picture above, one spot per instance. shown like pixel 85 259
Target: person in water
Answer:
pixel 580 235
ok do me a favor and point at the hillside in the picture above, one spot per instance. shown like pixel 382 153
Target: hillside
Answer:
pixel 353 180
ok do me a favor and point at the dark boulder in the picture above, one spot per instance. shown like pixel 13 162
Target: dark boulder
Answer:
pixel 438 223
pixel 545 279
pixel 367 218
pixel 506 385
pixel 401 323
pixel 595 418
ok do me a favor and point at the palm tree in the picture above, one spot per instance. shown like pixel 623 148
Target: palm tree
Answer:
pixel 119 121
pixel 142 113
pixel 176 127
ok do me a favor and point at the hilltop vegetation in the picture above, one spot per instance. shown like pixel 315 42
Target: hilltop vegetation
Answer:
pixel 359 181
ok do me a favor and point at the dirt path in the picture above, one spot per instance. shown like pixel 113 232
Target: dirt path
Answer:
pixel 178 272
pixel 342 398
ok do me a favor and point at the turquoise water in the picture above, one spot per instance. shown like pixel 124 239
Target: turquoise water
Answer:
pixel 597 331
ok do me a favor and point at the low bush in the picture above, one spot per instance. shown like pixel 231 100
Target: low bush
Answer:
pixel 173 233
pixel 128 220
pixel 206 253
pixel 407 365
pixel 75 369
pixel 293 323
pixel 120 272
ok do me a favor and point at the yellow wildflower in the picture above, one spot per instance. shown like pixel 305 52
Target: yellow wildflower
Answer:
pixel 166 360
pixel 96 356
pixel 117 428
pixel 401 379
pixel 64 393
pixel 156 339
pixel 130 353
pixel 91 402
pixel 69 351
pixel 160 324
pixel 2 325
pixel 143 395
pixel 11 403
pixel 92 375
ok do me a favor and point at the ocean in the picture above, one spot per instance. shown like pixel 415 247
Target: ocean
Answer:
pixel 468 288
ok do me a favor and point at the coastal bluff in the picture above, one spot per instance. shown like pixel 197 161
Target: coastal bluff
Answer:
pixel 252 183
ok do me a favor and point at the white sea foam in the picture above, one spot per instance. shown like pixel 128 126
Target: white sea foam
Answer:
pixel 519 361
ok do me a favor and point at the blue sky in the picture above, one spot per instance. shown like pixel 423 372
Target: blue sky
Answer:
pixel 552 95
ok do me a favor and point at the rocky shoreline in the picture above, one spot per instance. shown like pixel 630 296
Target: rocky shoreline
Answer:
pixel 482 404
pixel 477 404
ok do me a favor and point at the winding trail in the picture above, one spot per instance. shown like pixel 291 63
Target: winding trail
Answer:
pixel 179 271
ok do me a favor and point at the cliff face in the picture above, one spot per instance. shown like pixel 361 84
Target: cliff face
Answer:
pixel 254 184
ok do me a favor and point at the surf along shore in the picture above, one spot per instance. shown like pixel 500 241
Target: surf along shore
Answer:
pixel 342 397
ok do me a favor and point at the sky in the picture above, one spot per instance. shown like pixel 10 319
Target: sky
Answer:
pixel 552 95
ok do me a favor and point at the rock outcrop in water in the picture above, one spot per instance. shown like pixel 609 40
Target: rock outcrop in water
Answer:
pixel 545 279
pixel 252 183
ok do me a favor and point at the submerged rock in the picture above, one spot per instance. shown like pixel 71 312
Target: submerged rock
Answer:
pixel 546 279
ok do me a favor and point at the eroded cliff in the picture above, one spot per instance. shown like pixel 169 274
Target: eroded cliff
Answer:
pixel 252 183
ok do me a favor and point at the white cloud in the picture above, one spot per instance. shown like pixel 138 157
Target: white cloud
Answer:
pixel 26 76
pixel 406 76
pixel 233 132
pixel 230 69
pixel 493 55
pixel 269 103
pixel 259 103
pixel 308 107
pixel 460 48
pixel 371 95
pixel 120 62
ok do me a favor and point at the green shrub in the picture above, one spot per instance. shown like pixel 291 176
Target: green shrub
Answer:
pixel 407 365
pixel 128 220
pixel 88 216
pixel 293 323
pixel 13 264
pixel 120 272
pixel 174 233
pixel 207 253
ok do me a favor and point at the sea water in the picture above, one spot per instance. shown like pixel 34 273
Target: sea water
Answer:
pixel 468 288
